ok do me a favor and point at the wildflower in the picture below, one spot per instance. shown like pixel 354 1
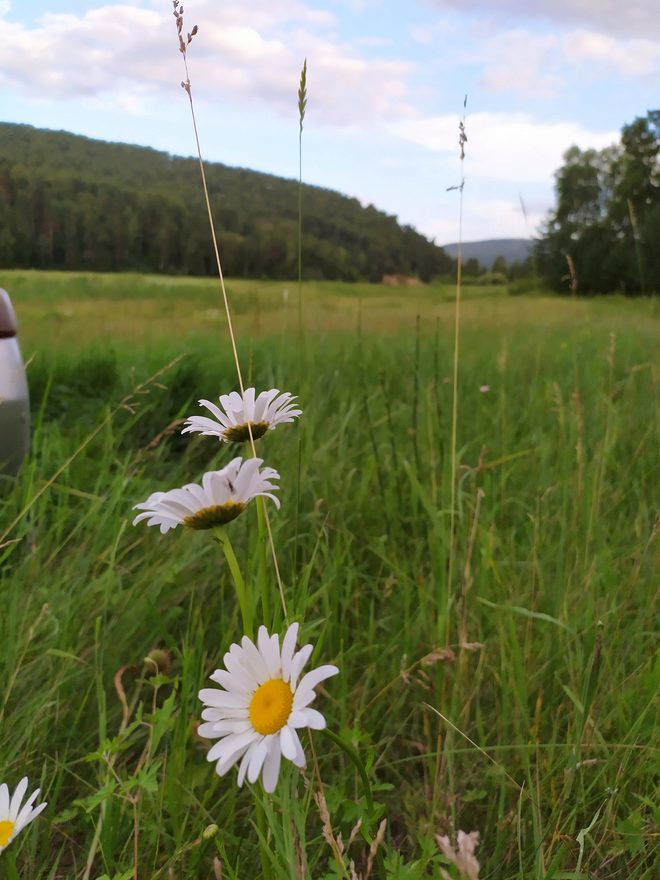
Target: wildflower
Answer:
pixel 238 411
pixel 484 389
pixel 463 856
pixel 13 818
pixel 263 704
pixel 221 497
pixel 158 662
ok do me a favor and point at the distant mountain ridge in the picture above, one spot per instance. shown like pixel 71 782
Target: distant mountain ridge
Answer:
pixel 71 202
pixel 487 251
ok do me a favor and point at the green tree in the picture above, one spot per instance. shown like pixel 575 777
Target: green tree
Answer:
pixel 500 265
pixel 605 229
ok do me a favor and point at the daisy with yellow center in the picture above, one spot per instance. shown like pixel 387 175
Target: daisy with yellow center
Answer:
pixel 261 705
pixel 237 411
pixel 223 495
pixel 13 816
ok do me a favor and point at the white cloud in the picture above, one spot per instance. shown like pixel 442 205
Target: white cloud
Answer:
pixel 487 218
pixel 630 57
pixel 359 5
pixel 434 31
pixel 637 18
pixel 536 69
pixel 250 51
pixel 541 65
pixel 503 147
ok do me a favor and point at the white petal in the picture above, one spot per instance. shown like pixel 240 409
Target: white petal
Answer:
pixel 273 498
pixel 298 662
pixel 257 758
pixel 220 484
pixel 287 743
pixel 227 762
pixel 257 663
pixel 215 411
pixel 276 655
pixel 236 664
pixel 299 758
pixel 234 743
pixel 244 480
pixel 211 714
pixel 303 698
pixel 271 770
pixel 207 729
pixel 223 699
pixel 297 718
pixel 237 684
pixel 214 729
pixel 248 399
pixel 270 651
pixel 4 801
pixel 314 676
pixel 242 770
pixel 17 797
pixel 313 719
pixel 262 405
pixel 288 647
pixel 25 818
pixel 26 809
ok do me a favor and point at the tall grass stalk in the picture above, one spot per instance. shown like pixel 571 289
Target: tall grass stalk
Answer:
pixel 263 518
pixel 187 87
pixel 462 139
pixel 302 106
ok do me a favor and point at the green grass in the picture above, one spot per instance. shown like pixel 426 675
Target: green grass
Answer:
pixel 556 577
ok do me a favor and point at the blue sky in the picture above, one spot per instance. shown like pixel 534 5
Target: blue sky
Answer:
pixel 386 85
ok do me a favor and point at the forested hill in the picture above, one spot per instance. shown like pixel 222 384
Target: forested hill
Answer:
pixel 486 252
pixel 69 202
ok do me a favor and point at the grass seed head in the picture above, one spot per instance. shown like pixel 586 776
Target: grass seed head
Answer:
pixel 302 95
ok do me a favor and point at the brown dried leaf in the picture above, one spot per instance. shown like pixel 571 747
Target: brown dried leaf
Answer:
pixel 463 856
pixel 437 655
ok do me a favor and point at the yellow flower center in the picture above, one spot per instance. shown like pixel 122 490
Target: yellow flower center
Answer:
pixel 270 706
pixel 241 433
pixel 217 515
pixel 6 829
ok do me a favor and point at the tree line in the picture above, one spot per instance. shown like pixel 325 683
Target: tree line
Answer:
pixel 604 234
pixel 69 202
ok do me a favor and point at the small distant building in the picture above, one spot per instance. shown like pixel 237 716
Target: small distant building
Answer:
pixel 402 281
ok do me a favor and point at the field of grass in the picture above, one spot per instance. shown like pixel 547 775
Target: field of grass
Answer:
pixel 516 699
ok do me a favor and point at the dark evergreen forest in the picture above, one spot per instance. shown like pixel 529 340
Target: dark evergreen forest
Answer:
pixel 69 202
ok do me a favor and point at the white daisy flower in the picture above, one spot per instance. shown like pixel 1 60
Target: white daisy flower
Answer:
pixel 221 497
pixel 13 817
pixel 262 705
pixel 237 412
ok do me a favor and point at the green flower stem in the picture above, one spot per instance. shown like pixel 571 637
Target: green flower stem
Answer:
pixel 11 871
pixel 222 538
pixel 366 787
pixel 262 827
pixel 355 758
pixel 262 557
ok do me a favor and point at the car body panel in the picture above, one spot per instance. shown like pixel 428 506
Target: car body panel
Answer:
pixel 14 394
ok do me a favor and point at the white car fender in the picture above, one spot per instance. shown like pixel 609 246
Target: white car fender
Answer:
pixel 14 394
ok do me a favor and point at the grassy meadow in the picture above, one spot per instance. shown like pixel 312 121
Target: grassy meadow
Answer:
pixel 515 698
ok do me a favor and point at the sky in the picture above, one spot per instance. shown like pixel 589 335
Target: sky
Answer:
pixel 386 86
